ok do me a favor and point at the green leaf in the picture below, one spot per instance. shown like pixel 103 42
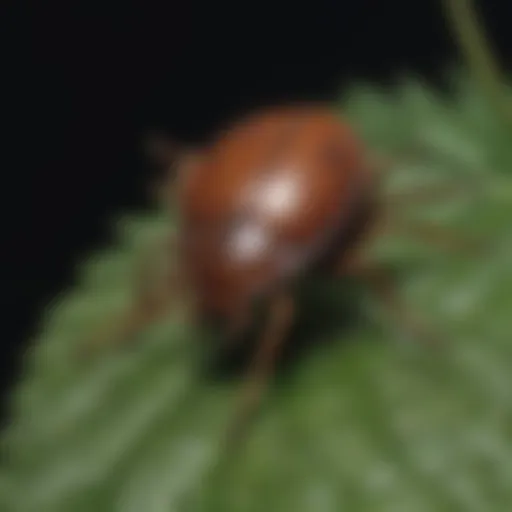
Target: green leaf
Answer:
pixel 357 421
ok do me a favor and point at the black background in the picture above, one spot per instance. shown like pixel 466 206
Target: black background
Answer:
pixel 85 82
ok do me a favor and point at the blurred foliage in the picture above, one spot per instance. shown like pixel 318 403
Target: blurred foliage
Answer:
pixel 354 422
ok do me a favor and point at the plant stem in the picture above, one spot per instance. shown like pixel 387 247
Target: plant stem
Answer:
pixel 479 56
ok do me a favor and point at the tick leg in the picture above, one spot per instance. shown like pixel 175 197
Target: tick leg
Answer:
pixel 424 194
pixel 385 162
pixel 162 150
pixel 156 289
pixel 435 235
pixel 174 161
pixel 381 283
pixel 238 325
pixel 279 321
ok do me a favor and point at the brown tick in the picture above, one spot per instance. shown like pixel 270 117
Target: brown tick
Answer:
pixel 285 193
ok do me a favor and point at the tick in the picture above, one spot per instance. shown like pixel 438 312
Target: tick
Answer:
pixel 285 193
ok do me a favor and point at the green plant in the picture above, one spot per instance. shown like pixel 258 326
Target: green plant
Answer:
pixel 357 423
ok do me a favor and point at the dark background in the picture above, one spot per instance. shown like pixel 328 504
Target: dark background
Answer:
pixel 85 82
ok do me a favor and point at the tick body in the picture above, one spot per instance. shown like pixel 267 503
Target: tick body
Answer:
pixel 284 193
